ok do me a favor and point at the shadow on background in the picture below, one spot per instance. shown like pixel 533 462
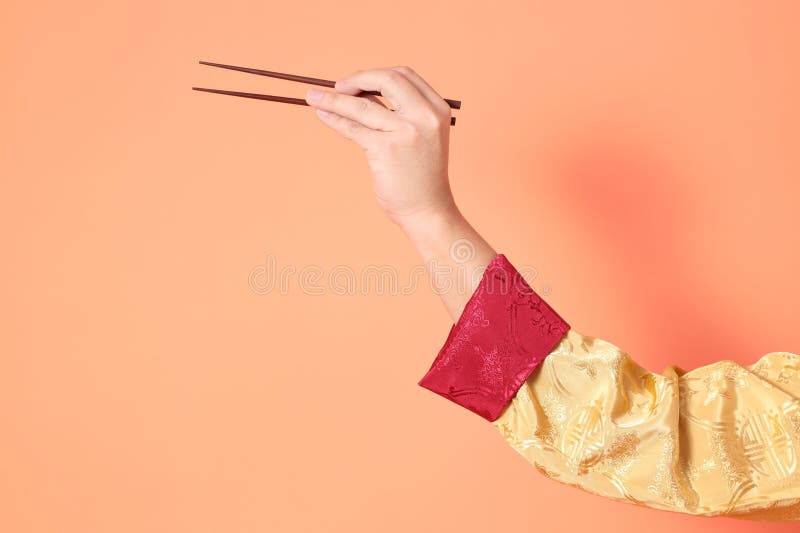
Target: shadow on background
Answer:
pixel 639 209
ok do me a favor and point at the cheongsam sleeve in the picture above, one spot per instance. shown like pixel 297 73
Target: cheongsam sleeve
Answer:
pixel 719 440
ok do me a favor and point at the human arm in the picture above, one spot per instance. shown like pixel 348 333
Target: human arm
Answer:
pixel 720 440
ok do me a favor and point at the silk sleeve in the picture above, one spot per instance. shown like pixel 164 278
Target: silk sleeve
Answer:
pixel 719 440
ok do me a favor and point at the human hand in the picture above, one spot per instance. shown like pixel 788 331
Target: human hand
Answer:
pixel 407 147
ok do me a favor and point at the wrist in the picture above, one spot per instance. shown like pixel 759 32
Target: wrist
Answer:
pixel 454 253
pixel 431 219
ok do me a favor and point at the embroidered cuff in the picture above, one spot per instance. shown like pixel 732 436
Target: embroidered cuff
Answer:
pixel 505 331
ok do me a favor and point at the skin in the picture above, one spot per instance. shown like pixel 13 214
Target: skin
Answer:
pixel 407 148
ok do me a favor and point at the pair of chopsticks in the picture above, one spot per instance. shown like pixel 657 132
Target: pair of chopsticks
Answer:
pixel 454 104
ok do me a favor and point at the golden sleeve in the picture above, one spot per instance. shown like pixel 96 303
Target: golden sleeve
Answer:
pixel 719 440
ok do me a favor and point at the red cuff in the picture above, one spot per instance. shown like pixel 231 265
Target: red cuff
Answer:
pixel 505 331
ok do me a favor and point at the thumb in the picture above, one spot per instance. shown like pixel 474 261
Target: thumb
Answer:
pixel 353 91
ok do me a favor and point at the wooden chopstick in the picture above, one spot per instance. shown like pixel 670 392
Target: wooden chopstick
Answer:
pixel 273 98
pixel 284 99
pixel 455 104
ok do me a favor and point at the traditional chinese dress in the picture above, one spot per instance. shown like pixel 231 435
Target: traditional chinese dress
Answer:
pixel 722 439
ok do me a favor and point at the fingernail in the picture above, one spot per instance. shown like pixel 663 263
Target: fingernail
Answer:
pixel 322 113
pixel 313 95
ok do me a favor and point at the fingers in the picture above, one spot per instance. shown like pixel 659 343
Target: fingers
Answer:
pixel 355 131
pixel 361 109
pixel 424 88
pixel 405 97
pixel 364 118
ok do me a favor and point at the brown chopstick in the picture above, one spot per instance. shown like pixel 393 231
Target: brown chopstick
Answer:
pixel 455 104
pixel 273 98
pixel 284 99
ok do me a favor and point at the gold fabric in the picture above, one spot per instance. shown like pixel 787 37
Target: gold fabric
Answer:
pixel 722 439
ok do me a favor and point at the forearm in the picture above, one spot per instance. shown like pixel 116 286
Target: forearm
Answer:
pixel 454 253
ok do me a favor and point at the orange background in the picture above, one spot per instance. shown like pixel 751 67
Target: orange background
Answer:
pixel 642 156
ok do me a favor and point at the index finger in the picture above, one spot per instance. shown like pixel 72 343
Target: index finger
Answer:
pixel 424 87
pixel 394 86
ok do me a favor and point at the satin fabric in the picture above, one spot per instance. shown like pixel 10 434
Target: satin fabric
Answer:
pixel 502 335
pixel 720 440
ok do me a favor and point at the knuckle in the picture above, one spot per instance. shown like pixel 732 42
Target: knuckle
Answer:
pixel 431 118
pixel 404 69
pixel 352 127
pixel 444 108
pixel 411 132
pixel 361 105
pixel 393 77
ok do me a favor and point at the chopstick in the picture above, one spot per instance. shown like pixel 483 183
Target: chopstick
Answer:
pixel 456 104
pixel 284 99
